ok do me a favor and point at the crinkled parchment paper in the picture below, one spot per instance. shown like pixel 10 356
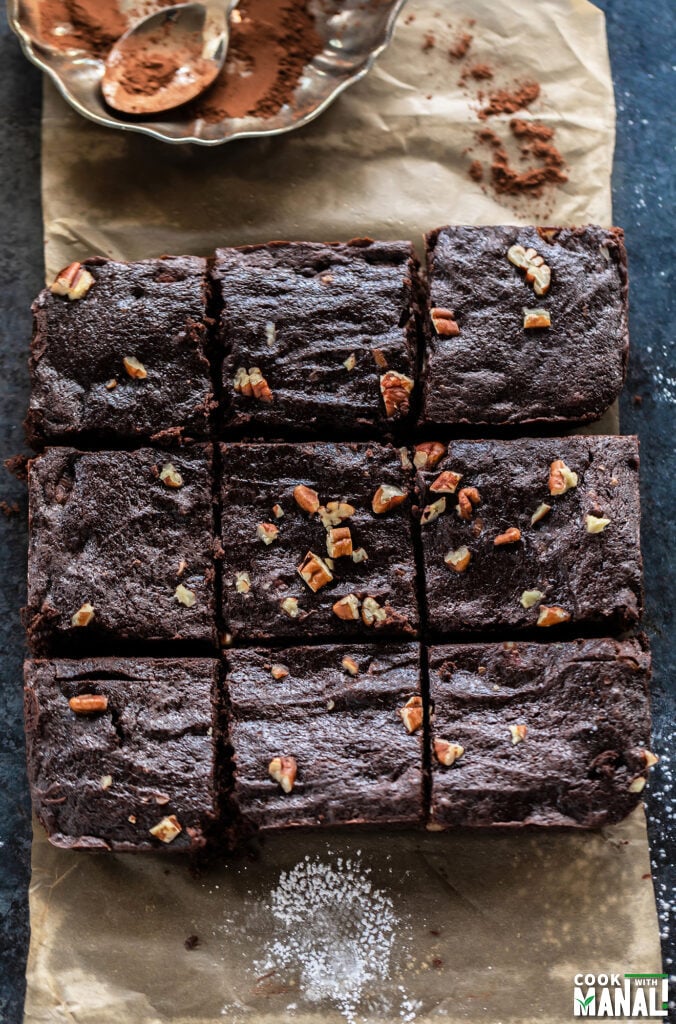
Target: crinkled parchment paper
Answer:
pixel 331 927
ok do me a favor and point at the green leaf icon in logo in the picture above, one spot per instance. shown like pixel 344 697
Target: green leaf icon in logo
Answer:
pixel 585 1002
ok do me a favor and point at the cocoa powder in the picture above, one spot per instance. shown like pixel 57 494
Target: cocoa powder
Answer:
pixel 460 46
pixel 534 142
pixel 271 42
pixel 508 101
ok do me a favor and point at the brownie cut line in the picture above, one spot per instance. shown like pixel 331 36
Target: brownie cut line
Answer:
pixel 125 358
pixel 538 734
pixel 120 548
pixel 536 532
pixel 318 337
pixel 122 753
pixel 524 324
pixel 326 736
pixel 317 542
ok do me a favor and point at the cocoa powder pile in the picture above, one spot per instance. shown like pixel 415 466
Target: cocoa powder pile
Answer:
pixel 271 42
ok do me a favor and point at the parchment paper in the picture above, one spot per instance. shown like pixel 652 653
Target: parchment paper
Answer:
pixel 458 927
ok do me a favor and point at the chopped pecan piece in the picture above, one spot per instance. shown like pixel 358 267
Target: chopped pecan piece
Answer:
pixel 339 542
pixel 279 671
pixel 73 281
pixel 428 454
pixel 170 476
pixel 167 829
pixel 447 753
pixel 561 478
pixel 350 362
pixel 519 733
pixel 252 384
pixel 530 598
pixel 184 596
pixel 536 318
pixel 243 583
pixel 596 524
pixel 290 607
pixel 267 532
pixel 458 560
pixel 467 497
pixel 306 498
pixel 412 714
pixel 540 512
pixel 284 770
pixel 347 607
pixel 83 616
pixel 314 571
pixel 88 703
pixel 134 368
pixel 637 785
pixel 350 666
pixel 395 389
pixel 387 497
pixel 359 555
pixel 433 511
pixel 335 513
pixel 446 483
pixel 372 612
pixel 443 321
pixel 510 536
pixel 552 616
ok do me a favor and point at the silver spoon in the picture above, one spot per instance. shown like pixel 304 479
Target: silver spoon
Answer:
pixel 168 58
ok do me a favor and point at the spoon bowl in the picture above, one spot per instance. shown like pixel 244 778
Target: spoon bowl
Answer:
pixel 168 58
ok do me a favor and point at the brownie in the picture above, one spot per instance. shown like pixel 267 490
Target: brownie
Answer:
pixel 536 532
pixel 152 312
pixel 120 547
pixel 269 538
pixel 331 328
pixel 551 734
pixel 118 748
pixel 331 717
pixel 483 365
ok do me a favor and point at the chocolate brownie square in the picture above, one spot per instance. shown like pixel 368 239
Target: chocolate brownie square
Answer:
pixel 326 735
pixel 317 542
pixel 318 337
pixel 535 532
pixel 120 547
pixel 122 752
pixel 538 734
pixel 118 352
pixel 524 324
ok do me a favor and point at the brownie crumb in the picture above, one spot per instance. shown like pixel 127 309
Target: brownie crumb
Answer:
pixel 192 942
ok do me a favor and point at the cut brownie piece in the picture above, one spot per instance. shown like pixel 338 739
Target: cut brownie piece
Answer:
pixel 488 361
pixel 122 752
pixel 318 336
pixel 326 735
pixel 538 734
pixel 124 359
pixel 305 554
pixel 121 547
pixel 533 532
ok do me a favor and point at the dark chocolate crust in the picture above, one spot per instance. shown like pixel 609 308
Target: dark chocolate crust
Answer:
pixel 257 477
pixel 497 372
pixel 585 707
pixel 298 311
pixel 153 310
pixel 356 762
pixel 100 781
pixel 596 578
pixel 105 530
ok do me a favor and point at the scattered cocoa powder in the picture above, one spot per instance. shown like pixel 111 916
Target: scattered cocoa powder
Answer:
pixel 152 71
pixel 428 42
pixel 460 46
pixel 93 26
pixel 532 138
pixel 479 72
pixel 508 101
pixel 476 170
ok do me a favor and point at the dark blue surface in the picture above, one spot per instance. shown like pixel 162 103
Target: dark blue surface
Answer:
pixel 641 41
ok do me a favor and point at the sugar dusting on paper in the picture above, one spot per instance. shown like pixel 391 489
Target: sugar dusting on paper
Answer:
pixel 336 937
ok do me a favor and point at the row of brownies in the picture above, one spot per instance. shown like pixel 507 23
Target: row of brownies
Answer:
pixel 509 325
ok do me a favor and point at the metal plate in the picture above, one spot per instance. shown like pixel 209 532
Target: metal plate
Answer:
pixel 355 32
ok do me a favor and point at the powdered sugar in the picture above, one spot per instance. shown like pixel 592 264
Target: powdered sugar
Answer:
pixel 336 936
